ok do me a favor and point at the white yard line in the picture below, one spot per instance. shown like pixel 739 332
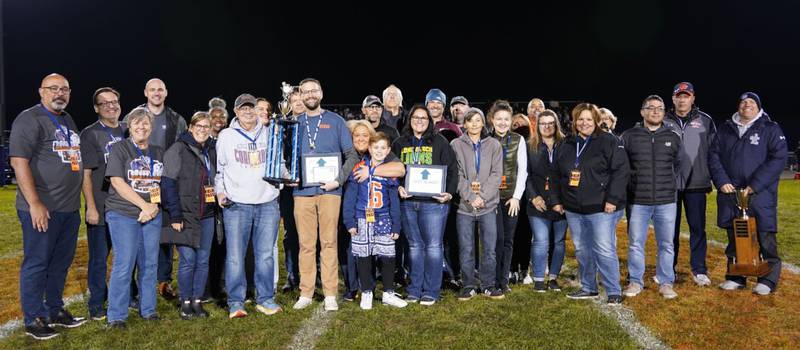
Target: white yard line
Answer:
pixel 11 326
pixel 312 329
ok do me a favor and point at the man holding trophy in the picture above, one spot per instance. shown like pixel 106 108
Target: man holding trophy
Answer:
pixel 746 160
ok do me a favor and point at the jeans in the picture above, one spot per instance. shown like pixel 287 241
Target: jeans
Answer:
pixel 542 230
pixel 193 263
pixel 99 241
pixel 241 222
pixel 135 244
pixel 695 203
pixel 504 248
pixel 663 216
pixel 165 257
pixel 595 242
pixel 45 261
pixel 423 225
pixel 466 249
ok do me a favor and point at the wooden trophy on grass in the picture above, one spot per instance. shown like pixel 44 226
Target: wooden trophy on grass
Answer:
pixel 748 260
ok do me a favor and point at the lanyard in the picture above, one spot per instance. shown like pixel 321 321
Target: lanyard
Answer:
pixel 579 150
pixel 477 148
pixel 415 153
pixel 371 171
pixel 65 129
pixel 550 153
pixel 312 142
pixel 252 140
pixel 208 165
pixel 108 131
pixel 149 155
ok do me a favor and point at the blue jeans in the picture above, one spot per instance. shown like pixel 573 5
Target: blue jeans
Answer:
pixel 423 225
pixel 542 228
pixel 45 261
pixel 466 249
pixel 663 217
pixel 595 242
pixel 99 241
pixel 193 263
pixel 695 203
pixel 135 244
pixel 165 257
pixel 241 221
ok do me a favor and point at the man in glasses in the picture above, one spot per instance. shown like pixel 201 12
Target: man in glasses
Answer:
pixel 96 142
pixel 372 107
pixel 46 157
pixel 697 130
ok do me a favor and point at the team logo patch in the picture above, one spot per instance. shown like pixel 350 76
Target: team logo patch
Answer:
pixel 65 149
pixel 754 139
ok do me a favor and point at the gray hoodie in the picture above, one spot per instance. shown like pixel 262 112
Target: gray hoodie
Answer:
pixel 696 130
pixel 491 170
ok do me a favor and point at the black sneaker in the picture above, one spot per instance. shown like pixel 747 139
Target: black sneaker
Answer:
pixel 614 300
pixel 186 311
pixel 539 287
pixel 65 319
pixel 288 287
pixel 349 296
pixel 120 325
pixel 151 318
pixel 134 304
pixel 581 294
pixel 466 294
pixel 553 285
pixel 494 293
pixel 39 330
pixel 97 314
pixel 197 308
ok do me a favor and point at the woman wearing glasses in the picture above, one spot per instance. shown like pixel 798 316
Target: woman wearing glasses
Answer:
pixel 424 218
pixel 544 145
pixel 590 177
pixel 188 184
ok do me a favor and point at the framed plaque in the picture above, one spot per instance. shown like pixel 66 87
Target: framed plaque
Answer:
pixel 425 180
pixel 320 168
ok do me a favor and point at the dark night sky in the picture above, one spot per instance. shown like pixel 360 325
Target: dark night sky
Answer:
pixel 612 53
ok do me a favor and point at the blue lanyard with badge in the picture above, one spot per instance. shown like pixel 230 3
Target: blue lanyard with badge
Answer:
pixel 369 211
pixel 73 156
pixel 475 185
pixel 575 174
pixel 253 153
pixel 416 151
pixel 155 191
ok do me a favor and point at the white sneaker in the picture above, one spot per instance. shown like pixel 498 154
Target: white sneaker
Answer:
pixel 366 300
pixel 730 285
pixel 302 303
pixel 762 289
pixel 527 279
pixel 632 290
pixel 393 299
pixel 330 304
pixel 656 281
pixel 702 280
pixel 667 292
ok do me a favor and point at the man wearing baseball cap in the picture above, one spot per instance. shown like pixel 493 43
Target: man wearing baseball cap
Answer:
pixel 458 107
pixel 435 101
pixel 697 130
pixel 372 107
pixel 749 152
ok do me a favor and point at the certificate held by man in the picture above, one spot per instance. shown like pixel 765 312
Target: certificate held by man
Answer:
pixel 425 180
pixel 320 168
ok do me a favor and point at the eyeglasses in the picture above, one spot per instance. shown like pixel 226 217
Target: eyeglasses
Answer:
pixel 653 109
pixel 56 89
pixel 108 104
pixel 246 109
pixel 309 92
pixel 202 126
pixel 547 125
pixel 419 119
pixel 373 107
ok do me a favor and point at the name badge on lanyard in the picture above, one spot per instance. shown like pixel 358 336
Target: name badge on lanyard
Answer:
pixel 74 164
pixel 575 174
pixel 209 194
pixel 475 185
pixel 155 195
pixel 369 212
pixel 253 154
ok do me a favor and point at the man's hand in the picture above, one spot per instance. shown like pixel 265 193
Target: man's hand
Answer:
pixel 443 197
pixel 92 216
pixel 39 216
pixel 402 192
pixel 222 201
pixel 513 207
pixel 727 188
pixel 750 190
pixel 329 186
pixel 177 226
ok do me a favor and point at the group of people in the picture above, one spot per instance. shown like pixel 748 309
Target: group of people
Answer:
pixel 152 182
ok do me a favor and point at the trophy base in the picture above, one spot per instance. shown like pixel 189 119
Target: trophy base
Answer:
pixel 759 269
pixel 286 121
pixel 277 180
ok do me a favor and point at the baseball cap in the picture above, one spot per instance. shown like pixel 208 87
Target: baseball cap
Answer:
pixel 371 100
pixel 243 99
pixel 459 99
pixel 683 87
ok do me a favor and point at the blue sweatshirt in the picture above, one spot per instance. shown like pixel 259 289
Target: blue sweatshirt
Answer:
pixel 332 136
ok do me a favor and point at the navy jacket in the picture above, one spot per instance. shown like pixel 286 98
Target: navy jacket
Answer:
pixel 756 159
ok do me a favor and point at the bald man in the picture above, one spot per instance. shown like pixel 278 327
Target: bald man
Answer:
pixel 46 157
pixel 167 128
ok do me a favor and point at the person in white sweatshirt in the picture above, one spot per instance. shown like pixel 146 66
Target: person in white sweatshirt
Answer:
pixel 250 207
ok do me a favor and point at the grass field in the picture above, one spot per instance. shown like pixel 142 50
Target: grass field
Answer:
pixel 701 318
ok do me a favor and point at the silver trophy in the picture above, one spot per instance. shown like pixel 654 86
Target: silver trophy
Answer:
pixel 283 136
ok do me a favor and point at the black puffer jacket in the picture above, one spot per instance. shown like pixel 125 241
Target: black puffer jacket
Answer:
pixel 654 158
